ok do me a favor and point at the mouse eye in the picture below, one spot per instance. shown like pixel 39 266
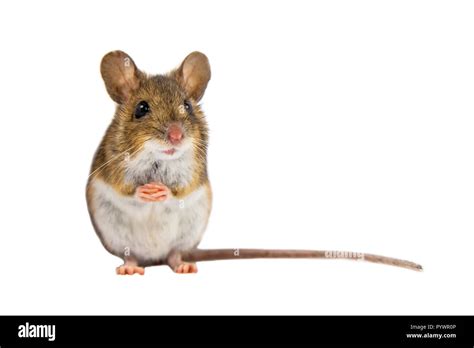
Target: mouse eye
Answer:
pixel 188 106
pixel 141 109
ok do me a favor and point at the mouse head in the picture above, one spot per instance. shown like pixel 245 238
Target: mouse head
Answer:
pixel 158 112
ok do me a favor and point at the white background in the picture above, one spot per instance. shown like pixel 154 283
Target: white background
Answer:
pixel 334 125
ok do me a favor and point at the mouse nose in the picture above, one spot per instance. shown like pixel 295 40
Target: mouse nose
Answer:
pixel 175 134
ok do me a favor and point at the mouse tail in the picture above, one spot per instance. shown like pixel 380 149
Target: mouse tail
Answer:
pixel 197 255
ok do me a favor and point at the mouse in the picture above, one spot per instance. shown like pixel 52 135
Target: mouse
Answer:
pixel 148 193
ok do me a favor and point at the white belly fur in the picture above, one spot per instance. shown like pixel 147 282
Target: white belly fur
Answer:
pixel 148 231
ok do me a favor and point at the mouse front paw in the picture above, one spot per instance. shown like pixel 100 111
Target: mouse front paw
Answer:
pixel 153 192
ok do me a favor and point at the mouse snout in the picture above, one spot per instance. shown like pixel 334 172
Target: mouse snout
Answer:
pixel 175 134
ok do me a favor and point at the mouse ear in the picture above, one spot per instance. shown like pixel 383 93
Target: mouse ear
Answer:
pixel 194 74
pixel 120 75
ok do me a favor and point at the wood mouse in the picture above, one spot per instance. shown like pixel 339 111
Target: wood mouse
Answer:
pixel 148 192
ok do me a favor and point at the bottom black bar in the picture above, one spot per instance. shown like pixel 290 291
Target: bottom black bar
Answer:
pixel 193 330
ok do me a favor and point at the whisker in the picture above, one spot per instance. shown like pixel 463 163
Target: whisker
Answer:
pixel 116 168
pixel 113 158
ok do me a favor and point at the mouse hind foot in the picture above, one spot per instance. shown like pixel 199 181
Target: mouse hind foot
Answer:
pixel 185 268
pixel 130 267
pixel 175 262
